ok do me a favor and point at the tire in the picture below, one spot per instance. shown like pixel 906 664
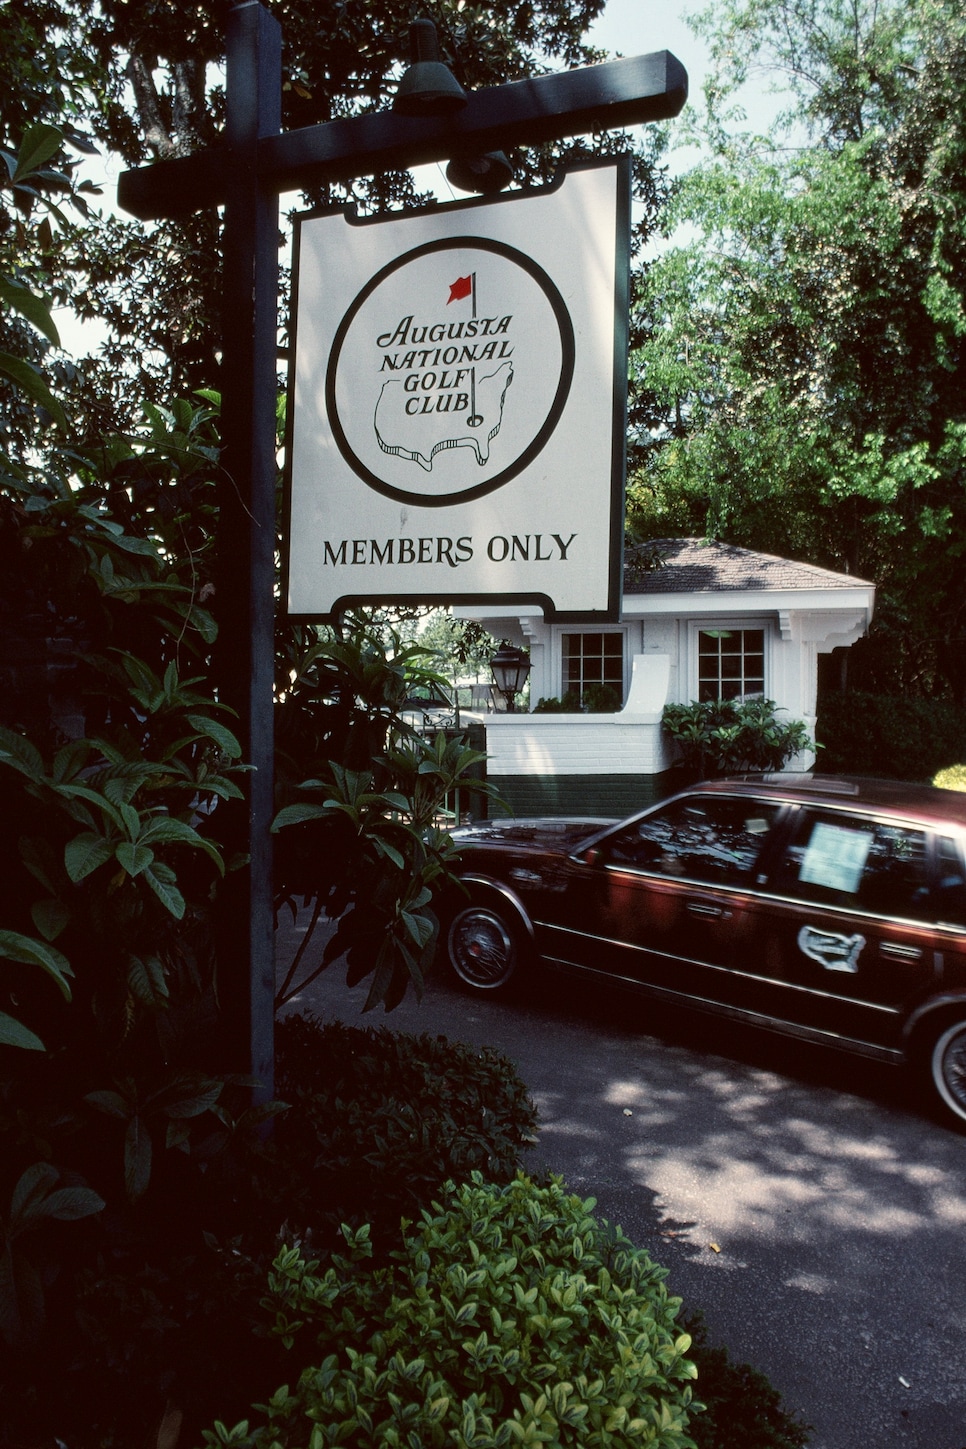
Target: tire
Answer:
pixel 947 1066
pixel 484 946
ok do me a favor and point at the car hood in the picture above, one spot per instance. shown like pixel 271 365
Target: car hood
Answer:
pixel 558 834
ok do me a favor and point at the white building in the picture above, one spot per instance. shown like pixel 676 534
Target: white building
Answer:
pixel 712 621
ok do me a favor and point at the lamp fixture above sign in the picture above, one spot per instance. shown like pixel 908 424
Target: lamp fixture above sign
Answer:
pixel 485 174
pixel 428 88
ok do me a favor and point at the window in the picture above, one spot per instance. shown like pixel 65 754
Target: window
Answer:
pixel 714 841
pixel 951 887
pixel 876 867
pixel 731 663
pixel 593 668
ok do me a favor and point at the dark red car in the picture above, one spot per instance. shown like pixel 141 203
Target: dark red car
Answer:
pixel 830 909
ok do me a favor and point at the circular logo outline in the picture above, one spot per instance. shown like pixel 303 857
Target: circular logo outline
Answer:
pixel 540 438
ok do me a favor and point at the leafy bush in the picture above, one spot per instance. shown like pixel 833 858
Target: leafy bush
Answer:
pixel 358 831
pixel 954 778
pixel 161 1301
pixel 596 699
pixel 730 737
pixel 569 704
pixel 510 1316
pixel 899 739
pixel 379 1121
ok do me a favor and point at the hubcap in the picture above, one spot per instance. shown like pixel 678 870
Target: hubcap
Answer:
pixel 950 1068
pixel 481 949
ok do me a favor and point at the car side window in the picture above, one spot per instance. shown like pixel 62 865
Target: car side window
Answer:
pixel 716 840
pixel 951 885
pixel 870 865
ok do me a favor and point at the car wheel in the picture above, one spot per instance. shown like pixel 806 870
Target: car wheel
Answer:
pixel 483 946
pixel 948 1067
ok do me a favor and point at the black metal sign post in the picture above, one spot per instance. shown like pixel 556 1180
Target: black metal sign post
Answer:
pixel 246 174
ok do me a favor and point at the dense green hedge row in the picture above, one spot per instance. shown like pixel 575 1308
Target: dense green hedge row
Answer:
pixel 379 1120
pixel 901 739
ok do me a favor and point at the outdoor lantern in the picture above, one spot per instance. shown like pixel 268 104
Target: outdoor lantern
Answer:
pixel 428 88
pixel 510 668
pixel 487 174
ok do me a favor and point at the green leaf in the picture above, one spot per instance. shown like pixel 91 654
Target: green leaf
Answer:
pixel 85 854
pixel 68 1204
pixel 39 144
pixel 29 380
pixel 145 977
pixel 16 947
pixel 110 1103
pixel 14 1033
pixel 166 892
pixel 296 814
pixel 21 754
pixel 33 1185
pixel 165 830
pixel 134 858
pixel 36 309
pixel 217 732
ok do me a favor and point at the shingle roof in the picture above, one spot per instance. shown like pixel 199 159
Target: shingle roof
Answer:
pixel 692 565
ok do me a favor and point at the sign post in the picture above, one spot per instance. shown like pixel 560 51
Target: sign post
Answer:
pixel 246 174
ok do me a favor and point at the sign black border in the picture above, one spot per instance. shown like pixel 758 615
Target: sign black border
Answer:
pixel 545 432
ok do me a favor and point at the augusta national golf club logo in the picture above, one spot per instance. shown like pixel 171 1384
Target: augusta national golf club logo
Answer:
pixel 449 371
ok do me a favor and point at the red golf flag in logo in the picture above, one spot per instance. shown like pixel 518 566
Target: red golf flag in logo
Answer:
pixel 462 287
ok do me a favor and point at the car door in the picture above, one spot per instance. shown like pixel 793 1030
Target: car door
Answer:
pixel 839 937
pixel 660 897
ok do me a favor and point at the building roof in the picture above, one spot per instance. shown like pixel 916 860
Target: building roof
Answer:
pixel 693 565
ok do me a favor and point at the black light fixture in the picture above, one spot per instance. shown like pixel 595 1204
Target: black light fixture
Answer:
pixel 485 174
pixel 510 667
pixel 428 88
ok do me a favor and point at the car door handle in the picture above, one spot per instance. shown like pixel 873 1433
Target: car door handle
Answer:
pixel 698 908
pixel 900 953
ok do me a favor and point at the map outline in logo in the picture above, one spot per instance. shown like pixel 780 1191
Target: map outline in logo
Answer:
pixel 539 439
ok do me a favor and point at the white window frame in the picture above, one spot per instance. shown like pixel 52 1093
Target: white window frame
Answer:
pixel 623 630
pixel 701 626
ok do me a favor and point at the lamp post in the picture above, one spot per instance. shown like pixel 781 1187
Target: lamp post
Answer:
pixel 510 667
pixel 246 173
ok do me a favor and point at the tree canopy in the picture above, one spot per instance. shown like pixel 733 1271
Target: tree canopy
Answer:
pixel 146 81
pixel 806 343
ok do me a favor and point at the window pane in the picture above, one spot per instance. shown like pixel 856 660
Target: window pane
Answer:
pixel 951 888
pixel 715 841
pixel 731 663
pixel 594 659
pixel 869 866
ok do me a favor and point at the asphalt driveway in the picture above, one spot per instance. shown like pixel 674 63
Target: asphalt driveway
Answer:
pixel 805 1202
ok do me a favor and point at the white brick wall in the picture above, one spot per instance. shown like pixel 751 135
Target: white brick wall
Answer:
pixel 575 744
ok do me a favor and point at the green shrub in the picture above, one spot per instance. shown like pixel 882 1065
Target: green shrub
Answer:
pixel 569 704
pixel 163 1303
pixel 596 699
pixel 953 778
pixel 731 737
pixel 899 739
pixel 510 1316
pixel 381 1120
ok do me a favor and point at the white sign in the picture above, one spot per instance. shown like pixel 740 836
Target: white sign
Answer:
pixel 457 403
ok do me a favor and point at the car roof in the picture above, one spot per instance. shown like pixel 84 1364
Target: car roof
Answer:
pixel 897 797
